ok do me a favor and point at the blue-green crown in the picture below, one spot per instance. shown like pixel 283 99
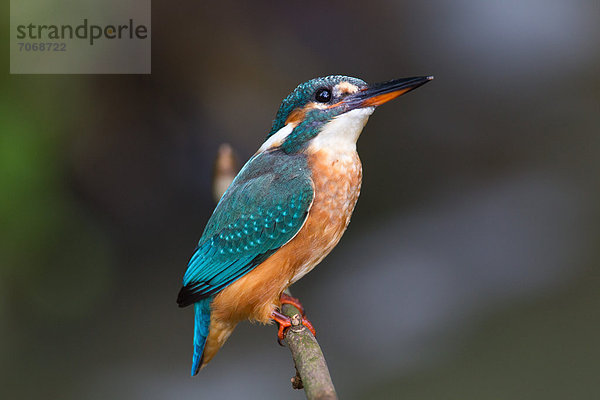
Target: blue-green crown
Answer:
pixel 305 93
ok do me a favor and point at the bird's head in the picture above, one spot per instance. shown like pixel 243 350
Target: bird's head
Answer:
pixel 337 106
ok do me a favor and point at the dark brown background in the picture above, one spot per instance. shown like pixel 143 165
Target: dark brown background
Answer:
pixel 469 271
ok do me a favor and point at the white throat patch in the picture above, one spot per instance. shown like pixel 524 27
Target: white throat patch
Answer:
pixel 341 133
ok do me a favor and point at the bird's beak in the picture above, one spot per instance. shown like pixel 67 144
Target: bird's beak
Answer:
pixel 379 93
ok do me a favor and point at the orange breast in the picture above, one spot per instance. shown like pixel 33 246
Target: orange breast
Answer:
pixel 337 179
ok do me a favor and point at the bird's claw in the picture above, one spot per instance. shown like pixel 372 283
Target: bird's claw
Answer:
pixel 287 299
pixel 284 322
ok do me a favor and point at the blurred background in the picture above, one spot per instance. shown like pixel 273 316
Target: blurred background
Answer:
pixel 470 269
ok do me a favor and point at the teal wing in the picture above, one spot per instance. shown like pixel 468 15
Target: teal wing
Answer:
pixel 265 206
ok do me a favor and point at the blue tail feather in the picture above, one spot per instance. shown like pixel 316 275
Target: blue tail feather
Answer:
pixel 201 327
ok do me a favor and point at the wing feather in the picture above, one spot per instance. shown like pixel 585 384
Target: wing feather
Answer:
pixel 264 208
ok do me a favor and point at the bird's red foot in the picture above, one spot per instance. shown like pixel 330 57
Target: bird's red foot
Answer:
pixel 284 322
pixel 287 299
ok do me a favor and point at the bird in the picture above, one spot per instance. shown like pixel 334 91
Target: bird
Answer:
pixel 286 209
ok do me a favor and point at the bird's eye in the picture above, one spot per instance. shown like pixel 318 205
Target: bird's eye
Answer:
pixel 323 95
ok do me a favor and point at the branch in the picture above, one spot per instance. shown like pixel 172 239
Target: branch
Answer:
pixel 312 373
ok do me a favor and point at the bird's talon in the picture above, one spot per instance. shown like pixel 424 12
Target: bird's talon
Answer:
pixel 309 326
pixel 286 322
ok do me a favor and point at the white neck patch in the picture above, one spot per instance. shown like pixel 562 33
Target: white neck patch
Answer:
pixel 277 138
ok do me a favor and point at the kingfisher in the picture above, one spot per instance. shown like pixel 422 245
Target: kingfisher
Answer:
pixel 285 210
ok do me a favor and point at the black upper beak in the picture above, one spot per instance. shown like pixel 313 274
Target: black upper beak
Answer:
pixel 379 93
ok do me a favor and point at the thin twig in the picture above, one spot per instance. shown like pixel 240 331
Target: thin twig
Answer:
pixel 224 170
pixel 312 373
